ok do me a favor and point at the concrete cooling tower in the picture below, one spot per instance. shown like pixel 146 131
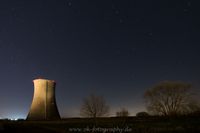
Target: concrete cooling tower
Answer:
pixel 43 106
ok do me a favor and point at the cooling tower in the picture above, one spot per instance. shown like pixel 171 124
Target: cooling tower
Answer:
pixel 43 106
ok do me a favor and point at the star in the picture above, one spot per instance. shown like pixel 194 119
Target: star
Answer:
pixel 69 4
pixel 121 21
pixel 185 10
pixel 149 34
pixel 117 12
pixel 188 3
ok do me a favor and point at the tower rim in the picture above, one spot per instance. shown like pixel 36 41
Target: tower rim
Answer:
pixel 44 79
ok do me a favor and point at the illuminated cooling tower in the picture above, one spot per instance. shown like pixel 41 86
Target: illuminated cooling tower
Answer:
pixel 43 106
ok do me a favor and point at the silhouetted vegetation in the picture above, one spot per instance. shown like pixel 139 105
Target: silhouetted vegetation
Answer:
pixel 94 106
pixel 170 99
pixel 122 113
pixel 142 114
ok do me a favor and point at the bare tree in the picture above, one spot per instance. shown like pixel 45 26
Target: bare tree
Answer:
pixel 193 108
pixel 122 113
pixel 169 98
pixel 94 106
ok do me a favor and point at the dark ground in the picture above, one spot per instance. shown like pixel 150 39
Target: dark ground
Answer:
pixel 106 125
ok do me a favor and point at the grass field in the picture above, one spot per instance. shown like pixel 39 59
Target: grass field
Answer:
pixel 106 125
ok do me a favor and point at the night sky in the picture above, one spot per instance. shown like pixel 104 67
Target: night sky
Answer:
pixel 113 48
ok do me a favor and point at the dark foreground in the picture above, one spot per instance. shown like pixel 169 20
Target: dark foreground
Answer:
pixel 106 125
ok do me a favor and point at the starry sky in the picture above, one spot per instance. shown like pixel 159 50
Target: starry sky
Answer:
pixel 113 48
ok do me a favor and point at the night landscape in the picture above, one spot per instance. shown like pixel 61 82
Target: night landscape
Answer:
pixel 100 66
